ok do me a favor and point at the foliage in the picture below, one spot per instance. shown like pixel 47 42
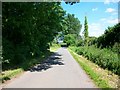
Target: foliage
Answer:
pixel 54 47
pixel 116 48
pixel 110 37
pixel 92 40
pixel 7 75
pixel 70 39
pixel 103 57
pixel 71 25
pixel 85 64
pixel 79 42
pixel 86 30
pixel 71 29
pixel 28 28
pixel 72 2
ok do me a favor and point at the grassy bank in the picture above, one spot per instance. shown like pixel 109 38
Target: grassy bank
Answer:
pixel 9 74
pixel 102 78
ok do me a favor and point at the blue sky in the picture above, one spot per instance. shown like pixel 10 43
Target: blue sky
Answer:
pixel 100 15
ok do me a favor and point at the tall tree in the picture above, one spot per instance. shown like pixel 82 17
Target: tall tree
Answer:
pixel 110 38
pixel 71 29
pixel 28 28
pixel 72 25
pixel 86 30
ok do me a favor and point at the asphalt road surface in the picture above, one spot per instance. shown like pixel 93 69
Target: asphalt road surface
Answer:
pixel 59 71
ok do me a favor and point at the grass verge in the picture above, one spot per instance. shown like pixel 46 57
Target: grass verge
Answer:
pixel 9 74
pixel 54 47
pixel 102 78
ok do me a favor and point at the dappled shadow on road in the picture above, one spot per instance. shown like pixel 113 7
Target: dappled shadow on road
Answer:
pixel 54 59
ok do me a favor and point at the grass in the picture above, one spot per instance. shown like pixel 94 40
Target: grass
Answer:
pixel 9 74
pixel 54 47
pixel 102 78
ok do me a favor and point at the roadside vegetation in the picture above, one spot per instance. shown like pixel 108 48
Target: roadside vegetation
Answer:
pixel 27 36
pixel 105 58
pixel 54 47
pixel 28 29
pixel 31 32
pixel 102 78
pixel 103 51
pixel 11 73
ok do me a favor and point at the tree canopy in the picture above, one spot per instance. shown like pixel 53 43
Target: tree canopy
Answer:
pixel 72 25
pixel 27 29
pixel 110 37
pixel 71 29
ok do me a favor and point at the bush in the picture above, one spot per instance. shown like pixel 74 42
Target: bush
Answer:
pixel 110 37
pixel 79 43
pixel 103 57
pixel 70 39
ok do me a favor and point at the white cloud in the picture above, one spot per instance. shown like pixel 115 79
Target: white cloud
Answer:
pixel 109 21
pixel 95 29
pixel 106 1
pixel 94 9
pixel 110 10
pixel 112 21
pixel 109 1
pixel 115 13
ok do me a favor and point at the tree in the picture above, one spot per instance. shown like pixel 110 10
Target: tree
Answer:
pixel 28 28
pixel 71 25
pixel 110 37
pixel 71 3
pixel 70 39
pixel 86 31
pixel 71 29
pixel 92 40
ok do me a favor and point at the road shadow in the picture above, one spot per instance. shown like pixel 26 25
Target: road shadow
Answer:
pixel 54 59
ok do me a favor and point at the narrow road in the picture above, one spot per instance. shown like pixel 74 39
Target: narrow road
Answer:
pixel 58 71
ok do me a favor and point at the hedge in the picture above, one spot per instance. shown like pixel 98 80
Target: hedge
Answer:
pixel 102 57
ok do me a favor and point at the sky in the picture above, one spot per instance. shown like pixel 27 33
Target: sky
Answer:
pixel 100 15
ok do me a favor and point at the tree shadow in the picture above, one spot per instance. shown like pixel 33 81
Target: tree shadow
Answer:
pixel 54 59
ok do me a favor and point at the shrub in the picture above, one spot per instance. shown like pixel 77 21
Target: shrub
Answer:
pixel 70 39
pixel 103 57
pixel 79 43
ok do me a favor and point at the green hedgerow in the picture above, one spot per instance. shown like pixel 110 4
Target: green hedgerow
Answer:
pixel 103 57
